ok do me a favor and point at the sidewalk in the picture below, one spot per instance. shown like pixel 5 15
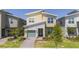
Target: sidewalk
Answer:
pixel 28 43
pixel 3 40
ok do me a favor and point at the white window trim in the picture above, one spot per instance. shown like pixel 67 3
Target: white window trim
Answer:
pixel 51 20
pixel 71 20
pixel 31 19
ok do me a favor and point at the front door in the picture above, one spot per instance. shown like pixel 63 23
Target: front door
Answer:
pixel 78 26
pixel 40 32
pixel 3 32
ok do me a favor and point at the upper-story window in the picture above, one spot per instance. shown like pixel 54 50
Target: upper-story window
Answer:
pixel 11 20
pixel 50 20
pixel 71 20
pixel 31 20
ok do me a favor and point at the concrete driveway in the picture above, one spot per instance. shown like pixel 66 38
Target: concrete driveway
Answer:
pixel 28 43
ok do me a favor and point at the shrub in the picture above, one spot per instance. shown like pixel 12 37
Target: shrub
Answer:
pixel 57 35
pixel 21 38
pixel 10 39
pixel 76 38
pixel 17 32
pixel 50 37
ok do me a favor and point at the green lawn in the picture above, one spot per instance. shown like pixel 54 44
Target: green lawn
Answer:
pixel 70 44
pixel 12 44
pixel 50 44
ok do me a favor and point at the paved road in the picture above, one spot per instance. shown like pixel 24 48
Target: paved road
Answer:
pixel 28 43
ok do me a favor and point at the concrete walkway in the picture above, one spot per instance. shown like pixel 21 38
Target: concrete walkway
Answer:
pixel 28 43
pixel 3 40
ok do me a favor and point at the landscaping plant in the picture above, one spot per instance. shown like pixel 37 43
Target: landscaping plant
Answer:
pixel 17 32
pixel 57 35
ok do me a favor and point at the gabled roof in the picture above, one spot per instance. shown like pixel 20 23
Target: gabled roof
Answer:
pixel 34 12
pixel 38 11
pixel 1 10
pixel 49 14
pixel 74 11
pixel 15 17
pixel 10 14
pixel 61 18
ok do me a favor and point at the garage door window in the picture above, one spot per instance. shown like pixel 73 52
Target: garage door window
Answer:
pixel 31 33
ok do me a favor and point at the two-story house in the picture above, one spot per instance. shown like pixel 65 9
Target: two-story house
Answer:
pixel 70 23
pixel 8 21
pixel 39 24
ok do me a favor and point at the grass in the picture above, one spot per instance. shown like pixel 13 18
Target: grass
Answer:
pixel 12 44
pixel 70 44
pixel 50 44
pixel 44 44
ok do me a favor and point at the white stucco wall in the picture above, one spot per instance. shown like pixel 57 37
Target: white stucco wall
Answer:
pixel 45 18
pixel 14 20
pixel 69 24
pixel 41 18
pixel 37 18
pixel 76 19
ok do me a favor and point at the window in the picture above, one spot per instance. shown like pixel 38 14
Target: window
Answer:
pixel 31 20
pixel 50 20
pixel 50 30
pixel 71 31
pixel 71 20
pixel 11 20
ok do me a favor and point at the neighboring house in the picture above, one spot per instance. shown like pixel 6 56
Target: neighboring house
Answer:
pixel 8 21
pixel 39 24
pixel 70 23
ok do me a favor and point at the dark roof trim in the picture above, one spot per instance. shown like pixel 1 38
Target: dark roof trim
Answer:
pixel 5 12
pixel 74 11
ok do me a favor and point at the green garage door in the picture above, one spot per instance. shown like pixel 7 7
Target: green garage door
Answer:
pixel 31 33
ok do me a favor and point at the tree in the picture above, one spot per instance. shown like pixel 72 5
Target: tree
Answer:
pixel 16 32
pixel 57 34
pixel 21 31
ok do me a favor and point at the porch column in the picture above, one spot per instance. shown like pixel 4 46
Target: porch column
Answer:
pixel 43 32
pixel 77 31
pixel 0 33
pixel 25 33
pixel 66 33
pixel 36 33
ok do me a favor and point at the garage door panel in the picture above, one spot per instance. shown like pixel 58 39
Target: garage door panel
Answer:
pixel 31 33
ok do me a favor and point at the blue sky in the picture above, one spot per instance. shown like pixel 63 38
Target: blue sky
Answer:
pixel 21 12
